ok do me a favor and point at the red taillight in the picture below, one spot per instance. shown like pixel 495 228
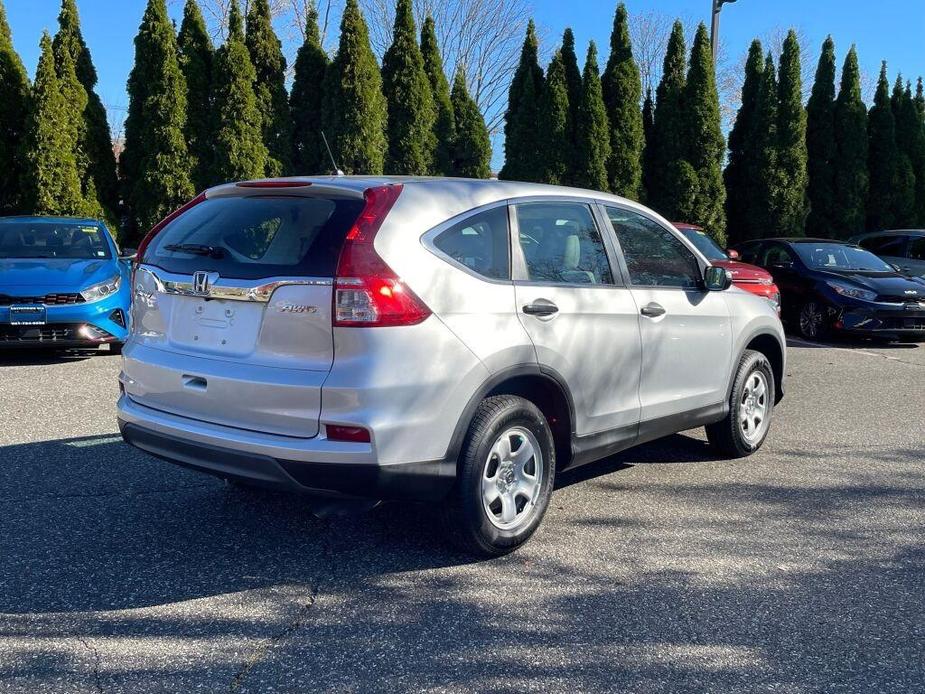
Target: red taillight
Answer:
pixel 156 229
pixel 351 434
pixel 367 292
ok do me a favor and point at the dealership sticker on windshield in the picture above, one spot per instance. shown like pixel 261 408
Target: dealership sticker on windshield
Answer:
pixel 89 230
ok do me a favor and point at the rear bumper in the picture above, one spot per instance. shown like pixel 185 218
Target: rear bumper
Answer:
pixel 309 466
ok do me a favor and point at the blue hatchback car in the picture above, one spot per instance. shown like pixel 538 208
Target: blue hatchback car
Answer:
pixel 63 284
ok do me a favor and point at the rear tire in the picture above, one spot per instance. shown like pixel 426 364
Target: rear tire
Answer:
pixel 751 404
pixel 500 497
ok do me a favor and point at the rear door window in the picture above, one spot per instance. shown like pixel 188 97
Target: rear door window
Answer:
pixel 255 237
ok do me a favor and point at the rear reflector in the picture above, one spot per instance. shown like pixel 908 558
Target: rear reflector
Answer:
pixel 274 184
pixel 351 434
pixel 368 293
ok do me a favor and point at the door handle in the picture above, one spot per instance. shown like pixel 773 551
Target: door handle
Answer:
pixel 541 309
pixel 653 310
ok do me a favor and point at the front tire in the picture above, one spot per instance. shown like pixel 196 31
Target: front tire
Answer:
pixel 745 428
pixel 504 479
pixel 813 321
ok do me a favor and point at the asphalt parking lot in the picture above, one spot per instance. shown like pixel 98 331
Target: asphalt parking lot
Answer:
pixel 665 569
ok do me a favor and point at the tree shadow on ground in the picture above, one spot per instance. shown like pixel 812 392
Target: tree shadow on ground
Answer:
pixel 758 587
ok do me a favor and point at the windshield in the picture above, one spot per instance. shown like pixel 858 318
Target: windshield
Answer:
pixel 44 239
pixel 836 256
pixel 704 243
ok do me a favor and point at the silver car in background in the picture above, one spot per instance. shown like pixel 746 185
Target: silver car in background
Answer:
pixel 434 339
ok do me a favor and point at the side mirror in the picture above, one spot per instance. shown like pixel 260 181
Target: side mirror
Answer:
pixel 717 279
pixel 733 254
pixel 129 254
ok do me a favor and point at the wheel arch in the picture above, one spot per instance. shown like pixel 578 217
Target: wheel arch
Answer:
pixel 545 389
pixel 770 346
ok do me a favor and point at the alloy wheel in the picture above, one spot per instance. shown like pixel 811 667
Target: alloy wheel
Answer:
pixel 753 407
pixel 512 478
pixel 811 320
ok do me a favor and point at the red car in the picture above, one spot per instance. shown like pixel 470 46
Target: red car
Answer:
pixel 751 278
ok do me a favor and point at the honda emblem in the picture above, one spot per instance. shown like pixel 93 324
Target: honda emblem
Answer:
pixel 203 281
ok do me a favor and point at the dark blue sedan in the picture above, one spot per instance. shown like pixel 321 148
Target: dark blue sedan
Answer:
pixel 63 284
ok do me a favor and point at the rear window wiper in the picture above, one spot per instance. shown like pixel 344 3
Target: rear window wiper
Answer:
pixel 196 249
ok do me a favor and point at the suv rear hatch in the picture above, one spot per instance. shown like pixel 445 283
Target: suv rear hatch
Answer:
pixel 232 307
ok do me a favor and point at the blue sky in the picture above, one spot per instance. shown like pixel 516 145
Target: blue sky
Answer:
pixel 894 34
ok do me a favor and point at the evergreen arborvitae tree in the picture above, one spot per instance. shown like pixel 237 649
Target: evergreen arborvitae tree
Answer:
pixel 920 99
pixel 910 140
pixel 919 104
pixel 14 106
pixel 573 80
pixel 820 146
pixel 522 160
pixel 791 203
pixel 705 144
pixel 266 54
pixel 663 174
pixel 767 175
pixel 96 161
pixel 555 116
pixel 445 121
pixel 50 179
pixel 75 96
pixel 882 158
pixel 196 58
pixel 239 148
pixel 572 71
pixel 850 164
pixel 622 93
pixel 410 129
pixel 593 147
pixel 472 146
pixel 742 174
pixel 309 153
pixel 155 163
pixel 354 111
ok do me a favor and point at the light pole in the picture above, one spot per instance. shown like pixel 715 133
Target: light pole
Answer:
pixel 714 30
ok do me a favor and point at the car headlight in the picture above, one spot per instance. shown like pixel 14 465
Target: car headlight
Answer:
pixel 102 290
pixel 775 300
pixel 852 292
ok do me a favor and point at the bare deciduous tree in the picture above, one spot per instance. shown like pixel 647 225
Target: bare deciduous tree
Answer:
pixel 649 32
pixel 484 36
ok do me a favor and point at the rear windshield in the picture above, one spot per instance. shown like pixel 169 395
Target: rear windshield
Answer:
pixel 256 237
pixel 44 239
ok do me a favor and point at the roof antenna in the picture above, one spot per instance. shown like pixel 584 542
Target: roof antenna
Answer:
pixel 337 172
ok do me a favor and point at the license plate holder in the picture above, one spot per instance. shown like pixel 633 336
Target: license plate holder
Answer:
pixel 28 315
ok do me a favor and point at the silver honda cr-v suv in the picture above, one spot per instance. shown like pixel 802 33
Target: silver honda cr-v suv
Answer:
pixel 432 339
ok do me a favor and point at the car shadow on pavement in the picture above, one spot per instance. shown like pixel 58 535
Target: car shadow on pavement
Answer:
pixel 102 544
pixel 119 529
